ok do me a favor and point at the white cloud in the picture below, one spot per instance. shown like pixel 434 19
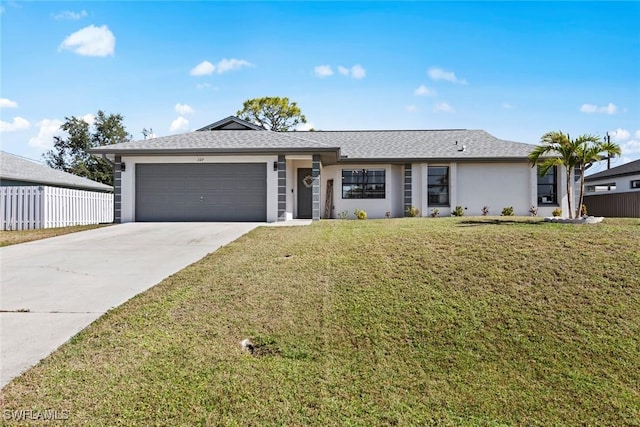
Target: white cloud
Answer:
pixel 443 107
pixel 204 68
pixel 422 90
pixel 507 106
pixel 183 109
pixel 629 143
pixel 232 64
pixel 17 124
pixel 69 15
pixel 48 129
pixel 91 41
pixel 592 108
pixel 436 74
pixel 89 118
pixel 7 103
pixel 620 134
pixel 179 124
pixel 630 147
pixel 588 108
pixel 205 85
pixel 323 71
pixel 609 109
pixel 305 126
pixel 358 72
pixel 411 108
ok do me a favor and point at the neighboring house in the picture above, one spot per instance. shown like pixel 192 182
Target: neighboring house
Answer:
pixel 233 170
pixel 614 192
pixel 36 196
pixel 18 171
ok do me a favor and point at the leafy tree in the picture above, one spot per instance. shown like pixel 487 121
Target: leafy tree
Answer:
pixel 272 113
pixel 70 153
pixel 592 150
pixel 558 149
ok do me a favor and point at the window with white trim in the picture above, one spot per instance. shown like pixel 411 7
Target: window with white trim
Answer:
pixel 635 183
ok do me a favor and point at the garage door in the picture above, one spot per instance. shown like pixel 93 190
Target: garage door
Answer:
pixel 201 192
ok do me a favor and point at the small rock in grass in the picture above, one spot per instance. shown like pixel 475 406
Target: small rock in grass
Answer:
pixel 247 345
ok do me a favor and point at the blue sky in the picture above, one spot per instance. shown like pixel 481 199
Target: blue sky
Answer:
pixel 514 69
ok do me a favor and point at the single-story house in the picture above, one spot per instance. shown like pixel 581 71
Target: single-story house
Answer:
pixel 18 171
pixel 36 196
pixel 232 170
pixel 614 192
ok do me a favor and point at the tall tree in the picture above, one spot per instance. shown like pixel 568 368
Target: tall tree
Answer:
pixel 558 149
pixel 272 113
pixel 592 150
pixel 70 153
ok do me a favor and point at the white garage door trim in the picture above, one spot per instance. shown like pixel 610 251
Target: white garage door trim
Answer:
pixel 176 192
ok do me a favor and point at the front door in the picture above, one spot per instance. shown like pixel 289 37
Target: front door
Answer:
pixel 305 193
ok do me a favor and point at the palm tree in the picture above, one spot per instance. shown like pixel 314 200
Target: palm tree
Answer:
pixel 558 149
pixel 592 150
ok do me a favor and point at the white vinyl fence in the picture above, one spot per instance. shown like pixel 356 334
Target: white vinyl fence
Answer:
pixel 28 208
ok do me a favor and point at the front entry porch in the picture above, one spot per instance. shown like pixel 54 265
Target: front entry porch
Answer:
pixel 298 187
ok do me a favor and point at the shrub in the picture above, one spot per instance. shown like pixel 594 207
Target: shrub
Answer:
pixel 557 212
pixel 413 212
pixel 533 211
pixel 435 212
pixel 485 210
pixel 507 211
pixel 343 215
pixel 458 211
pixel 360 214
pixel 583 211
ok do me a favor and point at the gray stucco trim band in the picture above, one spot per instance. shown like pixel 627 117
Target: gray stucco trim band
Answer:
pixel 117 190
pixel 282 187
pixel 407 188
pixel 315 166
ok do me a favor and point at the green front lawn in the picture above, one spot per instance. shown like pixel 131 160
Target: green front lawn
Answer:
pixel 446 321
pixel 14 237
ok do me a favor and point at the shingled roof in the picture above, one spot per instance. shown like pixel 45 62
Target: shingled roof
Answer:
pixel 15 168
pixel 229 141
pixel 392 145
pixel 398 145
pixel 630 168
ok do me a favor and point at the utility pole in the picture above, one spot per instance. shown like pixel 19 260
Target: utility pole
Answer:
pixel 607 139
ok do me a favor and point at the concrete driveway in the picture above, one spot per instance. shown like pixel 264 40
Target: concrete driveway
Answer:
pixel 51 289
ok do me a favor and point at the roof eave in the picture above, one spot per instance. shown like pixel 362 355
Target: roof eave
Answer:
pixel 330 155
pixel 400 160
pixel 617 175
pixel 48 182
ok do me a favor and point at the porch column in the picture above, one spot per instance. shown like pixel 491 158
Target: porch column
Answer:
pixel 117 190
pixel 282 187
pixel 407 189
pixel 315 171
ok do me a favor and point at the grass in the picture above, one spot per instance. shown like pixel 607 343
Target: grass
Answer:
pixel 446 321
pixel 22 236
